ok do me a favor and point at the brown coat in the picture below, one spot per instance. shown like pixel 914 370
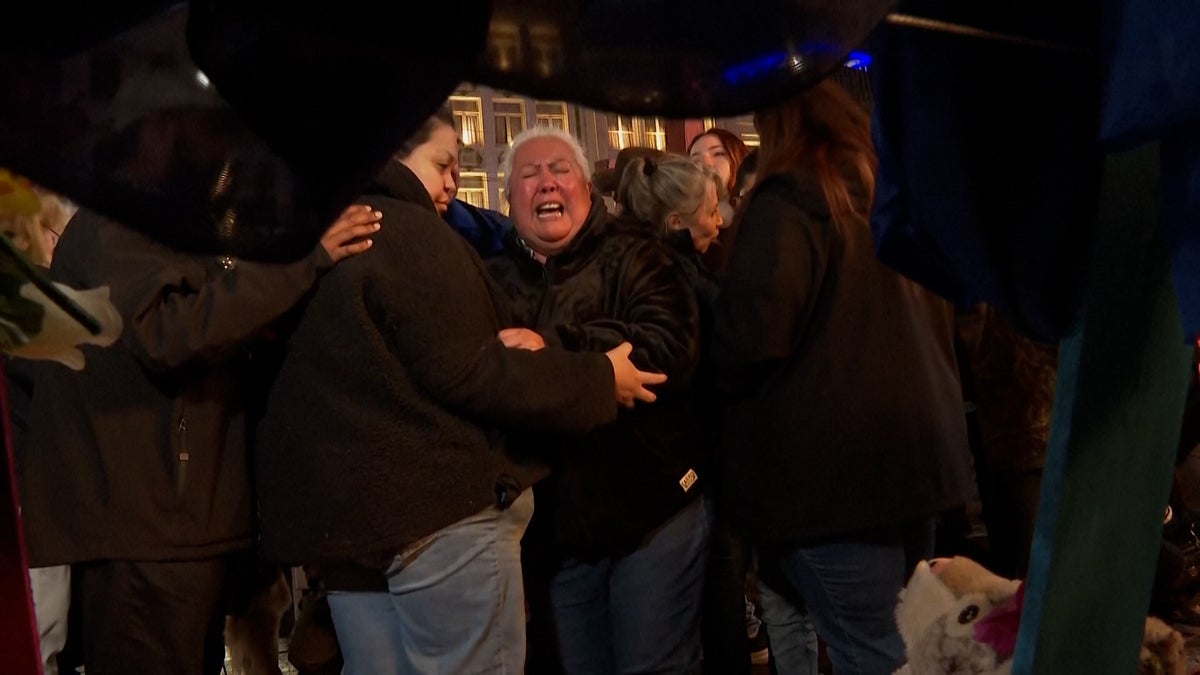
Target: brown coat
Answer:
pixel 142 454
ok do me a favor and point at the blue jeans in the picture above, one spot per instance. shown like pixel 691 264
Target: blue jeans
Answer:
pixel 456 603
pixel 790 629
pixel 639 613
pixel 850 585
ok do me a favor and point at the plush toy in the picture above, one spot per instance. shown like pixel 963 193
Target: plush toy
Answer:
pixel 958 618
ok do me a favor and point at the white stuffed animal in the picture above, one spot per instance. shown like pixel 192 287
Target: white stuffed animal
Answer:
pixel 958 618
pixel 947 608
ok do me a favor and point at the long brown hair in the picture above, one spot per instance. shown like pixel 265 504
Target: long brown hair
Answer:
pixel 821 129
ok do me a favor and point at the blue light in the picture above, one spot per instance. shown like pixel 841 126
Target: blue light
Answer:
pixel 759 66
pixel 754 67
pixel 858 60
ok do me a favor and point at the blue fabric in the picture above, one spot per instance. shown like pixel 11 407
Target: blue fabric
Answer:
pixel 850 588
pixel 988 161
pixel 790 629
pixel 483 228
pixel 1152 92
pixel 1152 63
pixel 639 613
pixel 990 152
pixel 456 603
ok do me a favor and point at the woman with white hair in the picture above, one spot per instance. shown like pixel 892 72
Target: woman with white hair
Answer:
pixel 615 556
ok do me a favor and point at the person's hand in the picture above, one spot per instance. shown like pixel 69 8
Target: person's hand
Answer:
pixel 521 338
pixel 346 237
pixel 631 382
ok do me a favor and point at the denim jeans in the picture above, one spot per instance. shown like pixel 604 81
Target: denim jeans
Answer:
pixel 456 603
pixel 791 631
pixel 850 585
pixel 639 613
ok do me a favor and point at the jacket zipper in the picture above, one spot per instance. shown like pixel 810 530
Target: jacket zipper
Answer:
pixel 184 457
pixel 541 308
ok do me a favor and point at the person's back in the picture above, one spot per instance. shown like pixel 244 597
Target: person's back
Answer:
pixel 136 470
pixel 845 433
pixel 121 426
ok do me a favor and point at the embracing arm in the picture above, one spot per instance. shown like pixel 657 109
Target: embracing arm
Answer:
pixel 431 304
pixel 178 313
pixel 657 313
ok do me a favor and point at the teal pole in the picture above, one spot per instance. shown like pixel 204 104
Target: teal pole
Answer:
pixel 1122 381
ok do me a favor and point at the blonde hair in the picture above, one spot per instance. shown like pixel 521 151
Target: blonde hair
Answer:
pixel 27 231
pixel 651 189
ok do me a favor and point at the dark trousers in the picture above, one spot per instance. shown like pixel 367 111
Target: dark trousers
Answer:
pixel 1010 504
pixel 723 609
pixel 152 617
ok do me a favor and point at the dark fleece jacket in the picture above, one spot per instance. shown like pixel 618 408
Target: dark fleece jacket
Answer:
pixel 383 424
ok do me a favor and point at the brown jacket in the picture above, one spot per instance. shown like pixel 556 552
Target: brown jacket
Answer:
pixel 142 454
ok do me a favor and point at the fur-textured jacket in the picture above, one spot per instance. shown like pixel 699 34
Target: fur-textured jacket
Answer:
pixel 616 281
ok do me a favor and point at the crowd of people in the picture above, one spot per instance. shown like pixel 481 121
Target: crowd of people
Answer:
pixel 596 434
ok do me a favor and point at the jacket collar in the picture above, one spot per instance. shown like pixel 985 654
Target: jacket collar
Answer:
pixel 595 226
pixel 398 181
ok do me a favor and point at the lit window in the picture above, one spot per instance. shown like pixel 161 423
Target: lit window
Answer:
pixel 625 131
pixel 656 135
pixel 552 115
pixel 510 119
pixel 468 114
pixel 750 139
pixel 472 188
pixel 621 133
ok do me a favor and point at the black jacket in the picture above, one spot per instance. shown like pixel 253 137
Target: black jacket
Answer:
pixel 616 281
pixel 845 407
pixel 384 422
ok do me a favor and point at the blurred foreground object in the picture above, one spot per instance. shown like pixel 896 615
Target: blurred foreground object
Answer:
pixel 220 127
pixel 713 58
pixel 242 128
